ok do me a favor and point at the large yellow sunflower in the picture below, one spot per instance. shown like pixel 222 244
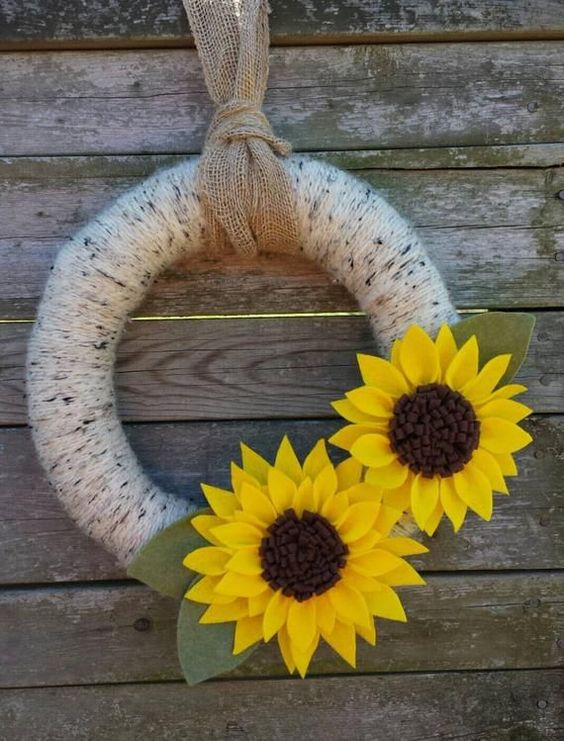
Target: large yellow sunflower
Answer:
pixel 300 552
pixel 433 429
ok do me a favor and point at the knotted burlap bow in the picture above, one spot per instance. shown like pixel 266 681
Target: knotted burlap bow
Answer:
pixel 246 191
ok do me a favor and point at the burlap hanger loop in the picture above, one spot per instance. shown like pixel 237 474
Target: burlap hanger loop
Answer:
pixel 246 192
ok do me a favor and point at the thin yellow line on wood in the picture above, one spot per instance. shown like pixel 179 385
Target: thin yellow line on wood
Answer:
pixel 208 317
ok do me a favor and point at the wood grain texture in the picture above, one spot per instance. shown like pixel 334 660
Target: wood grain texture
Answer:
pixel 254 368
pixel 51 24
pixel 39 543
pixel 498 227
pixel 330 97
pixel 528 705
pixel 92 634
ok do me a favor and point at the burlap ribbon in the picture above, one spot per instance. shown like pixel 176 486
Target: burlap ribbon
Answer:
pixel 246 192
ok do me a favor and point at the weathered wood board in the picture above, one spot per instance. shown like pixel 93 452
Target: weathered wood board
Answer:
pixel 330 97
pixel 485 228
pixel 102 634
pixel 486 705
pixel 39 543
pixel 48 24
pixel 254 368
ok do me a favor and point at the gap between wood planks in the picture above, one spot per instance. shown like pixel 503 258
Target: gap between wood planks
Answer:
pixel 289 41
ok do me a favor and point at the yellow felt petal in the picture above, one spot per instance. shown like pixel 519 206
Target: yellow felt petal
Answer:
pixel 508 391
pixel 424 498
pixel 387 518
pixel 500 436
pixel 360 582
pixel 487 379
pixel 402 546
pixel 357 520
pixel 375 562
pixel 325 485
pixel 241 585
pixel 287 461
pixel 248 518
pixel 490 468
pixel 349 604
pixel 285 649
pixel 204 525
pixel 301 623
pixel 390 476
pixel 211 560
pixel 254 464
pixel 248 631
pixel 512 411
pixel 259 603
pixel 347 410
pixel 218 613
pixel 453 505
pixel 386 604
pixel 237 534
pixel 382 374
pixel 419 357
pixel 404 575
pixel 464 366
pixel 222 502
pixel 368 633
pixel 335 507
pixel 275 614
pixel 364 493
pixel 305 498
pixel 245 561
pixel 256 503
pixel 371 400
pixel 366 543
pixel 395 356
pixel 399 498
pixel 347 436
pixel 349 473
pixel 475 490
pixel 302 658
pixel 373 450
pixel 239 477
pixel 434 518
pixel 203 591
pixel 326 613
pixel 506 463
pixel 342 640
pixel 281 489
pixel 446 347
pixel 316 460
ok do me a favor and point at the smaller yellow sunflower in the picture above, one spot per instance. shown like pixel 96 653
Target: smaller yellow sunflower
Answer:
pixel 301 552
pixel 433 429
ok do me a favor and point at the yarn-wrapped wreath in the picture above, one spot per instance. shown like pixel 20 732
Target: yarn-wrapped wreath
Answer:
pixel 104 272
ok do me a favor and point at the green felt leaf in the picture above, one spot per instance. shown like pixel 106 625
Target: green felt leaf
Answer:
pixel 205 651
pixel 159 563
pixel 498 333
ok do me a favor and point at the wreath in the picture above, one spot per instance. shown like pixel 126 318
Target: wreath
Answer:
pixel 300 550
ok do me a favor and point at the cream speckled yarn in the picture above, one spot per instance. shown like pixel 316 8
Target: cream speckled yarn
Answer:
pixel 103 274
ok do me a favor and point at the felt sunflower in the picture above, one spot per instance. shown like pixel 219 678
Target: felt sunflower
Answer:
pixel 300 552
pixel 434 430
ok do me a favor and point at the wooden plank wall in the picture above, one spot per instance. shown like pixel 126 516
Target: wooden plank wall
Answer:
pixel 455 112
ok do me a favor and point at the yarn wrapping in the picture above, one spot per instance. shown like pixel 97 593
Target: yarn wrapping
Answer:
pixel 104 272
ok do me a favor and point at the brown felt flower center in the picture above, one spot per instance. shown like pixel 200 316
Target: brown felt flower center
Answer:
pixel 302 556
pixel 434 430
